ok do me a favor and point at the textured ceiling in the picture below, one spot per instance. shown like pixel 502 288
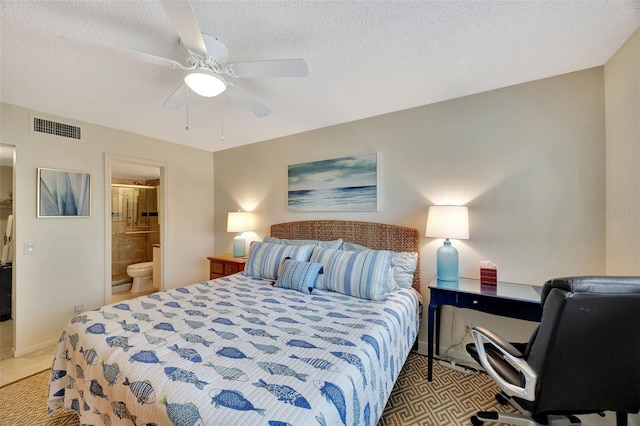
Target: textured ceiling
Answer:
pixel 365 58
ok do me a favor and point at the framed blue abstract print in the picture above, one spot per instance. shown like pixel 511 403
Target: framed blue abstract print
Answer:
pixel 63 193
pixel 345 184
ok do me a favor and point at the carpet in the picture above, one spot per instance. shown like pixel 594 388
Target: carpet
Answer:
pixel 25 403
pixel 450 399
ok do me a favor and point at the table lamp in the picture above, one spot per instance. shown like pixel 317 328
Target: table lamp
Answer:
pixel 448 222
pixel 239 222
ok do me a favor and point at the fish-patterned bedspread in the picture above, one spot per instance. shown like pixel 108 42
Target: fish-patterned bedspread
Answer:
pixel 234 351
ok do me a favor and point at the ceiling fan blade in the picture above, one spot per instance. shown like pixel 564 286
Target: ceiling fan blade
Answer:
pixel 138 56
pixel 245 99
pixel 177 99
pixel 275 68
pixel 184 20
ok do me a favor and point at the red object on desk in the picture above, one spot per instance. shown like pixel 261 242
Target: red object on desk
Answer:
pixel 488 289
pixel 488 276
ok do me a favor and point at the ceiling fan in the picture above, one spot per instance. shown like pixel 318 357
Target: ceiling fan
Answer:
pixel 206 60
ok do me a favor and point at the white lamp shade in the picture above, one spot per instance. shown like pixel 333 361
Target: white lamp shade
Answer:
pixel 240 222
pixel 205 83
pixel 448 222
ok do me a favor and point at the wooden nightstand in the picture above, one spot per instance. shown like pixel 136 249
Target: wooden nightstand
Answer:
pixel 225 264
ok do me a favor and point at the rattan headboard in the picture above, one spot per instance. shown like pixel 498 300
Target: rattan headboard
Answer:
pixel 377 236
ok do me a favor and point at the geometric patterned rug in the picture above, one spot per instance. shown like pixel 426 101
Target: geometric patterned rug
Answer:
pixel 450 399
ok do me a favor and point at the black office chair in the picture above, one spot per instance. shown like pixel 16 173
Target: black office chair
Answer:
pixel 583 358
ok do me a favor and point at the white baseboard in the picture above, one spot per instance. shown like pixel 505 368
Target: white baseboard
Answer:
pixel 34 348
pixel 459 355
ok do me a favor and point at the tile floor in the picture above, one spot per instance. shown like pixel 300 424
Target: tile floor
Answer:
pixel 12 369
pixel 6 339
pixel 124 295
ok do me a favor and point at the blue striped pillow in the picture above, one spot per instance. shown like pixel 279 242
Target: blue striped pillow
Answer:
pixel 264 258
pixel 365 274
pixel 298 275
pixel 403 264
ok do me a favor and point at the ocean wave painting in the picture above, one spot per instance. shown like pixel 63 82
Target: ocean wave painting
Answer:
pixel 63 193
pixel 339 184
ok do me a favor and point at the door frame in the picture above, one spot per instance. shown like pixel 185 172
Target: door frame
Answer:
pixel 163 216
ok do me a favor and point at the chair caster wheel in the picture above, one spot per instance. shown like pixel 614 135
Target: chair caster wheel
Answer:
pixel 501 399
pixel 475 421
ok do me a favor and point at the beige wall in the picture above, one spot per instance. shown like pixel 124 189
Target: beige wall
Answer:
pixel 622 88
pixel 69 265
pixel 528 160
pixel 622 83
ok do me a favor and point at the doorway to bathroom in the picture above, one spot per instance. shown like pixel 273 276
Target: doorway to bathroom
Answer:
pixel 135 230
pixel 7 226
pixel 135 202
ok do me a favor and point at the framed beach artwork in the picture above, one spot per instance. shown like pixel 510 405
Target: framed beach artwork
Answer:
pixel 345 184
pixel 63 193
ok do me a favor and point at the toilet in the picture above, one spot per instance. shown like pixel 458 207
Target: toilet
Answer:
pixel 142 274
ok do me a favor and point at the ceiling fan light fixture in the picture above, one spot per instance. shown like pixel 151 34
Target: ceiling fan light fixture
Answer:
pixel 204 83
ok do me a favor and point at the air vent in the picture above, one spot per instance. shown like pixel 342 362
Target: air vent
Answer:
pixel 40 125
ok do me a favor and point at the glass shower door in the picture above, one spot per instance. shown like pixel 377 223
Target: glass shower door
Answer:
pixel 119 260
pixel 134 227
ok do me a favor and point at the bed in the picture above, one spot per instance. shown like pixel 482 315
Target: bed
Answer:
pixel 243 349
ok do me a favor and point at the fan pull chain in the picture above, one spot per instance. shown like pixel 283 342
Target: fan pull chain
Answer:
pixel 187 127
pixel 222 119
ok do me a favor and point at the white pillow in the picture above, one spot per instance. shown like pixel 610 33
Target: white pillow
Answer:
pixel 335 244
pixel 353 247
pixel 404 266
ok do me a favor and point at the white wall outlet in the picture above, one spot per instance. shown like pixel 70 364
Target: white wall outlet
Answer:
pixel 79 308
pixel 29 248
